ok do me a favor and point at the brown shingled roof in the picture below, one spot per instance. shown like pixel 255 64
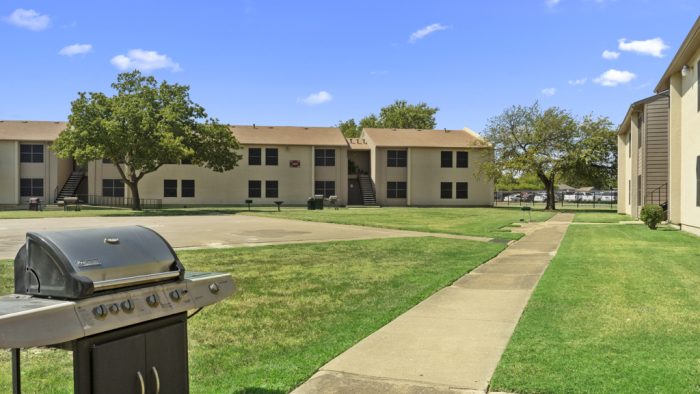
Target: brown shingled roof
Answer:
pixel 416 138
pixel 23 130
pixel 288 135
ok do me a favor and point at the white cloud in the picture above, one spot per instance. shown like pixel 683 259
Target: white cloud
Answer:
pixel 549 91
pixel 424 32
pixel 28 19
pixel 144 61
pixel 316 98
pixel 552 3
pixel 610 55
pixel 577 82
pixel 614 77
pixel 75 49
pixel 653 47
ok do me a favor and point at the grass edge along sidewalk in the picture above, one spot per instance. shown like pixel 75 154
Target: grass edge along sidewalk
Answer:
pixel 298 306
pixel 616 311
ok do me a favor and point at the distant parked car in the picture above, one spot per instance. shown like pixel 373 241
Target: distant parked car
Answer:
pixel 570 197
pixel 512 198
pixel 586 197
pixel 540 197
pixel 608 196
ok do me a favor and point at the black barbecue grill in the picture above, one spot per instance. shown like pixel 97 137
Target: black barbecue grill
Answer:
pixel 117 297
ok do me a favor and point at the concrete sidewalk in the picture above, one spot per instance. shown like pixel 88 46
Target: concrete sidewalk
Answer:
pixel 452 341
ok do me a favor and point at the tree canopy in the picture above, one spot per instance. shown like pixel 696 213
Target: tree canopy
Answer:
pixel 553 145
pixel 145 125
pixel 399 115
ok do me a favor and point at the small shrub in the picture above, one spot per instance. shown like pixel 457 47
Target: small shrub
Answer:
pixel 652 215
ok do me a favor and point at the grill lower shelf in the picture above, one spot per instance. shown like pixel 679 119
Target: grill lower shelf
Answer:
pixel 29 321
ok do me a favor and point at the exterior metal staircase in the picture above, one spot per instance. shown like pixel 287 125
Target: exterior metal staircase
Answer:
pixel 369 197
pixel 71 185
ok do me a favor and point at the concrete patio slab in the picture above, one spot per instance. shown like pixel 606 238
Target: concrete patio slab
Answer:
pixel 522 268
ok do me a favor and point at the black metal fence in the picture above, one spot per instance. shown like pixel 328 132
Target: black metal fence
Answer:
pixel 592 199
pixel 119 202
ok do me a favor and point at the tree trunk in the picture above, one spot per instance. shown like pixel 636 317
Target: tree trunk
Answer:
pixel 135 199
pixel 549 188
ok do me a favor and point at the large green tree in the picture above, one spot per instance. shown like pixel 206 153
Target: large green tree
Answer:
pixel 399 115
pixel 143 126
pixel 552 144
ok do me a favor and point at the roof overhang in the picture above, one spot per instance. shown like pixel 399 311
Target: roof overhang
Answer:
pixel 688 48
pixel 634 107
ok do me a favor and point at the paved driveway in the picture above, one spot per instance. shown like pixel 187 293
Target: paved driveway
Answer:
pixel 203 231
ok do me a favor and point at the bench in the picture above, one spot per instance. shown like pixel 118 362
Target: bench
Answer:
pixel 70 203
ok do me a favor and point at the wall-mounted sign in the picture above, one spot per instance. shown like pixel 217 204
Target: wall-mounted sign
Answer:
pixel 294 163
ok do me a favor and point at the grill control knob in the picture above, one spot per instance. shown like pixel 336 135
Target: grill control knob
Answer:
pixel 127 306
pixel 100 311
pixel 152 300
pixel 175 295
pixel 114 308
pixel 214 288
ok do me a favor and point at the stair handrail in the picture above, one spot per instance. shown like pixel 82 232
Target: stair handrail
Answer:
pixel 658 192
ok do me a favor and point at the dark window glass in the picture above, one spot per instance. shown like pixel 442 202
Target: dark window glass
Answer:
pixel 271 156
pixel 254 156
pixel 697 179
pixel 445 189
pixel 639 190
pixel 325 188
pixel 187 187
pixel 446 159
pixel 31 187
pixel 462 159
pixel 324 157
pixel 113 188
pixel 462 190
pixel 396 158
pixel 170 188
pixel 31 153
pixel 254 189
pixel 396 190
pixel 271 189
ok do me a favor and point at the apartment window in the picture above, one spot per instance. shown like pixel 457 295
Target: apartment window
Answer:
pixel 254 189
pixel 639 190
pixel 640 127
pixel 254 156
pixel 446 159
pixel 31 187
pixel 113 188
pixel 445 190
pixel 271 156
pixel 31 153
pixel 462 190
pixel 324 188
pixel 324 157
pixel 187 187
pixel 697 181
pixel 462 159
pixel 271 189
pixel 396 190
pixel 396 158
pixel 169 187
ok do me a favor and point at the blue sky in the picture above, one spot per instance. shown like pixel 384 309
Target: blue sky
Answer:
pixel 314 63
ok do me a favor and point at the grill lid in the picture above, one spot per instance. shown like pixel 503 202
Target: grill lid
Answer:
pixel 74 264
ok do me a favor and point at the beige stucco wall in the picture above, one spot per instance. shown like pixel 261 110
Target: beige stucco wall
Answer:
pixel 337 173
pixel 231 187
pixel 690 149
pixel 622 173
pixel 634 167
pixel 674 148
pixel 426 176
pixel 9 172
pixel 383 174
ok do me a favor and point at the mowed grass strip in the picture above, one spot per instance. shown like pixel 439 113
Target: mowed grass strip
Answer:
pixel 484 222
pixel 601 217
pixel 617 311
pixel 296 308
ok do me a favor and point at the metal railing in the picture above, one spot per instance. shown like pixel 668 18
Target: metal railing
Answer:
pixel 656 196
pixel 593 199
pixel 119 202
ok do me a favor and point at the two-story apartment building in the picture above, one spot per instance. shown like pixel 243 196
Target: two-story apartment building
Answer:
pixel 290 164
pixel 642 157
pixel 681 80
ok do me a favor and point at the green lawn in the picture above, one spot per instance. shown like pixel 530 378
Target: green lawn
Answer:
pixel 297 307
pixel 601 217
pixel 485 222
pixel 101 211
pixel 620 317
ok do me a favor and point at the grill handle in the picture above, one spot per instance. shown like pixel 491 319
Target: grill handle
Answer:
pixel 134 280
pixel 141 382
pixel 155 374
